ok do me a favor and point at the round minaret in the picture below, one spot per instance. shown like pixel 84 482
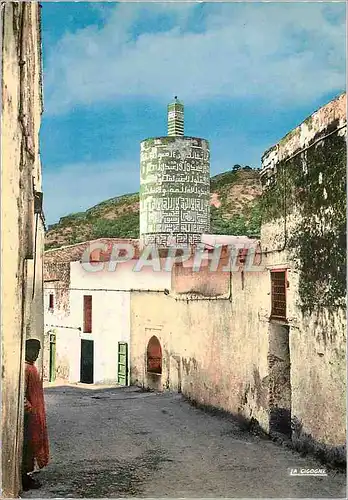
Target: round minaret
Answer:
pixel 174 185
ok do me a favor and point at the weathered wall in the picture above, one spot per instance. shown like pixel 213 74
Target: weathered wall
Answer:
pixel 57 321
pixel 231 354
pixel 214 351
pixel 20 249
pixel 36 327
pixel 305 216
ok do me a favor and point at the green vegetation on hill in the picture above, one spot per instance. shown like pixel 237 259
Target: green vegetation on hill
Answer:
pixel 238 225
pixel 120 201
pixel 126 225
pixel 235 209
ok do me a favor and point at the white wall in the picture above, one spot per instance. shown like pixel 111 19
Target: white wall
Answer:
pixel 124 277
pixel 110 325
pixel 110 291
pixel 110 309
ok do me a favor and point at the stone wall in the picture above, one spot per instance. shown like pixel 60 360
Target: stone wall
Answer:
pixel 21 228
pixel 223 349
pixel 304 224
pixel 57 283
pixel 214 349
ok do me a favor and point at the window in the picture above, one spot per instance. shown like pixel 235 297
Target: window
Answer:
pixel 51 302
pixel 87 313
pixel 278 294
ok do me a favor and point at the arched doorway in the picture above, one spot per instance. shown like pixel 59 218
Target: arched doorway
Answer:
pixel 154 356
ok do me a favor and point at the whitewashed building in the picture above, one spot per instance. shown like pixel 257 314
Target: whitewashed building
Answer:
pixel 88 307
pixel 87 315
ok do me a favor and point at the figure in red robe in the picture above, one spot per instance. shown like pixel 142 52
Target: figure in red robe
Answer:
pixel 35 443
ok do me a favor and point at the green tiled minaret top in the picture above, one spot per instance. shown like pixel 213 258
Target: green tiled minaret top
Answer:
pixel 176 118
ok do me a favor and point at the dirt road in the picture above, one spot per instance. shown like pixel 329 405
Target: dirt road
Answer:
pixel 122 442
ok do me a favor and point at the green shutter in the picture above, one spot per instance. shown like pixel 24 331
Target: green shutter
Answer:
pixel 122 368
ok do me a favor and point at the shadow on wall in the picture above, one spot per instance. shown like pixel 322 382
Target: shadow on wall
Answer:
pixel 305 444
pixel 333 456
pixel 279 379
pixel 161 369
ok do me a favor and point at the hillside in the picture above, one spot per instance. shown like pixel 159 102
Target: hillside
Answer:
pixel 235 209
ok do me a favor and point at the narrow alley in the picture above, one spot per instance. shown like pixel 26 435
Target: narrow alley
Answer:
pixel 123 442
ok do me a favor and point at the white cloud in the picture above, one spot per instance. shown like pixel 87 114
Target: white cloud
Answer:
pixel 280 53
pixel 76 187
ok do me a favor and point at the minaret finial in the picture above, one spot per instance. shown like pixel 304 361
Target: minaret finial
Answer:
pixel 176 118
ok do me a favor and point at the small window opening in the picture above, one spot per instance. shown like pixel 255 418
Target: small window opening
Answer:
pixel 51 302
pixel 87 313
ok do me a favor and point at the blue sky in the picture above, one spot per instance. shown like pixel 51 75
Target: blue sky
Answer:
pixel 247 74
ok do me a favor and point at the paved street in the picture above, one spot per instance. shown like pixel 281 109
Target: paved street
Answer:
pixel 124 442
